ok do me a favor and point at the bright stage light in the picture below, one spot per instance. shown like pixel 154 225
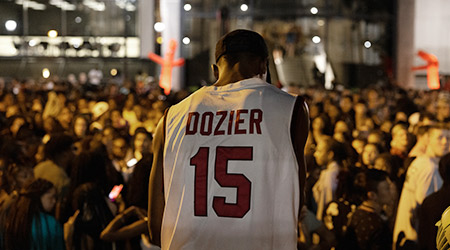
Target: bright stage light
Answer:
pixel 314 10
pixel 186 40
pixel 159 27
pixel 45 73
pixel 244 7
pixel 52 33
pixel 316 39
pixel 10 25
pixel 113 72
pixel 367 44
pixel 187 7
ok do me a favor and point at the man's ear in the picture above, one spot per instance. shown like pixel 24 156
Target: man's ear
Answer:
pixel 215 70
pixel 330 155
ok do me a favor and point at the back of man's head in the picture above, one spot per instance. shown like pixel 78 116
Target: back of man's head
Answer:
pixel 58 144
pixel 241 41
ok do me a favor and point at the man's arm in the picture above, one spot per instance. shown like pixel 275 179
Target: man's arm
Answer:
pixel 299 134
pixel 156 186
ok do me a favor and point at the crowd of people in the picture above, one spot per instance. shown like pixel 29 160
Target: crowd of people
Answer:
pixel 62 152
pixel 378 166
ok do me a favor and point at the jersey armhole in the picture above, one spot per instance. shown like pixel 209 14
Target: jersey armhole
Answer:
pixel 295 126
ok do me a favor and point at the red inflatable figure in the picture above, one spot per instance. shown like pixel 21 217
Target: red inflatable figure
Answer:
pixel 167 63
pixel 432 68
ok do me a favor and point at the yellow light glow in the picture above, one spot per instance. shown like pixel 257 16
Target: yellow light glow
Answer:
pixel 159 40
pixel 113 72
pixel 45 73
pixel 52 33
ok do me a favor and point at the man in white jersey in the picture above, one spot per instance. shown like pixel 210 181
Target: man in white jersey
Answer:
pixel 229 169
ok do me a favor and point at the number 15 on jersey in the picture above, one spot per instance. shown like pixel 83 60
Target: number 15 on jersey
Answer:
pixel 239 181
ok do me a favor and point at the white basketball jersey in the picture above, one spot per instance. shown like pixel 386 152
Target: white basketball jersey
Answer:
pixel 230 171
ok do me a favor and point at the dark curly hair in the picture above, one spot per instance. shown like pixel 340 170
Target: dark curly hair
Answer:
pixel 17 217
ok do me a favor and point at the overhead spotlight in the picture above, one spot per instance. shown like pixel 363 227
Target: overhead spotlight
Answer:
pixel 367 44
pixel 32 43
pixel 52 33
pixel 78 19
pixel 113 72
pixel 316 39
pixel 244 7
pixel 186 40
pixel 314 10
pixel 187 7
pixel 159 27
pixel 45 73
pixel 10 25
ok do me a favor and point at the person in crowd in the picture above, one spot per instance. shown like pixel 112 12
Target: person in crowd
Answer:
pixel 27 221
pixel 58 154
pixel 118 122
pixel 422 179
pixel 389 164
pixel 65 118
pixel 369 154
pixel 80 127
pixel 422 141
pixel 121 156
pixel 15 177
pixel 432 208
pixel 310 225
pixel 368 227
pixel 89 195
pixel 348 113
pixel 130 224
pixel 330 155
pixel 321 126
pixel 137 192
pixel 443 107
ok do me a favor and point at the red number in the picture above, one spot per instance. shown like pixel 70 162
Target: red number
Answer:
pixel 224 179
pixel 200 161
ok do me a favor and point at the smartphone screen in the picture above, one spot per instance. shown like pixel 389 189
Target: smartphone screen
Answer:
pixel 115 191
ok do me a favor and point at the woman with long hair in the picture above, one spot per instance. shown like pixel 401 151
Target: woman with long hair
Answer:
pixel 26 222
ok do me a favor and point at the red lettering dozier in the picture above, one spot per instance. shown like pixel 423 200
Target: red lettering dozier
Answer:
pixel 240 122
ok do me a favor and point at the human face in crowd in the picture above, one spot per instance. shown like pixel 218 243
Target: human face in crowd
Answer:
pixel 314 111
pixel 442 111
pixel 119 148
pixel 381 164
pixel 66 115
pixel 360 109
pixel 358 145
pixel 439 142
pixel 322 154
pixel 80 127
pixel 369 154
pixel 374 138
pixel 400 136
pixel 141 142
pixel 372 96
pixel 341 127
pixel 346 104
pixel 386 195
pixel 24 176
pixel 333 112
pixel 318 124
pixel 386 126
pixel 48 200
